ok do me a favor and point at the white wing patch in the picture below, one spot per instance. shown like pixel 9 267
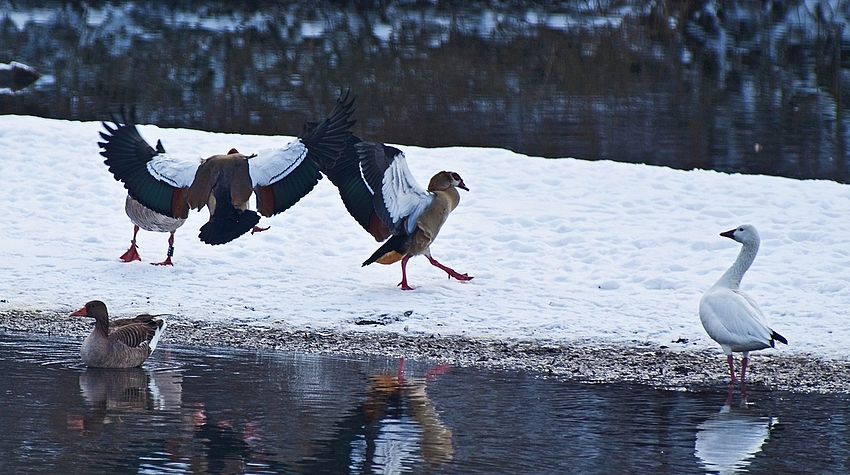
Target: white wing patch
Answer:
pixel 731 319
pixel 403 196
pixel 177 173
pixel 363 178
pixel 271 165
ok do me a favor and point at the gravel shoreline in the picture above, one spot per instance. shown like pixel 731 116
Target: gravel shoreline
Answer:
pixel 662 366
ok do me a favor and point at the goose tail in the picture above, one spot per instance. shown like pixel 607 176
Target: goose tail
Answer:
pixel 157 334
pixel 777 337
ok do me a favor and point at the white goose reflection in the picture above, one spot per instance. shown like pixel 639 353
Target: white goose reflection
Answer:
pixel 728 441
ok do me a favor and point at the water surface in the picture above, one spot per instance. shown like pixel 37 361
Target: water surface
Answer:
pixel 751 87
pixel 219 410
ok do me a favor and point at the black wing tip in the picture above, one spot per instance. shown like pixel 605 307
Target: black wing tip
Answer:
pixel 777 337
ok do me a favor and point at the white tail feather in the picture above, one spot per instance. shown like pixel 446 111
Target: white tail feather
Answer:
pixel 157 335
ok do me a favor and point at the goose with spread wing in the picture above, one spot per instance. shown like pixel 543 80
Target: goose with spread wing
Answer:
pixel 732 318
pixel 121 343
pixel 382 195
pixel 224 183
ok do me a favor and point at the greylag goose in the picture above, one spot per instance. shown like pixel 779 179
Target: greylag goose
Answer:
pixel 380 192
pixel 122 343
pixel 731 317
pixel 224 183
pixel 149 220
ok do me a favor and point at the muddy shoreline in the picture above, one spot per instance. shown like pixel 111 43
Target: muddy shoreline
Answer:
pixel 665 366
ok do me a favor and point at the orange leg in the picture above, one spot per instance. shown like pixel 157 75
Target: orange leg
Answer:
pixel 132 254
pixel 167 261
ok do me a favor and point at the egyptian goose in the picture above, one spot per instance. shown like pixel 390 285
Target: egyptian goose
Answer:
pixel 224 183
pixel 380 192
pixel 122 343
pixel 732 318
pixel 149 220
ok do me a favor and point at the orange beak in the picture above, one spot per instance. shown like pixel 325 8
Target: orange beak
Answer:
pixel 80 313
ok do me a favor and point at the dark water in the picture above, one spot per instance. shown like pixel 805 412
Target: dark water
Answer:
pixel 748 86
pixel 217 410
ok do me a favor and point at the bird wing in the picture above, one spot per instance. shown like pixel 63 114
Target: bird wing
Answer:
pixel 282 177
pixel 157 181
pixel 398 199
pixel 355 192
pixel 132 335
pixel 732 318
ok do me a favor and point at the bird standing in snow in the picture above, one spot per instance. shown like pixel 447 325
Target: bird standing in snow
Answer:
pixel 731 317
pixel 149 220
pixel 224 183
pixel 379 191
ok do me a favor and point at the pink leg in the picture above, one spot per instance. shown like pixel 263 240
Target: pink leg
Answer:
pixel 731 361
pixel 730 393
pixel 132 254
pixel 448 270
pixel 257 229
pixel 401 371
pixel 403 283
pixel 167 261
pixel 744 362
pixel 432 373
pixel 743 392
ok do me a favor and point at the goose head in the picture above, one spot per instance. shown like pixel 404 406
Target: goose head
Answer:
pixel 745 233
pixel 93 309
pixel 445 180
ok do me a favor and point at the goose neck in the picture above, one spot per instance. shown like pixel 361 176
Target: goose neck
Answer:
pixel 101 325
pixel 732 277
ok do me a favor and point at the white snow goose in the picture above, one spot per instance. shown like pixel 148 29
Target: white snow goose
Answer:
pixel 145 218
pixel 122 343
pixel 224 183
pixel 731 317
pixel 380 192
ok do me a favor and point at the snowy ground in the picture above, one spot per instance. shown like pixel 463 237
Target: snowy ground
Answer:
pixel 562 250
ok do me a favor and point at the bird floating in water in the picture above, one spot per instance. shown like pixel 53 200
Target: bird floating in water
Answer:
pixel 122 343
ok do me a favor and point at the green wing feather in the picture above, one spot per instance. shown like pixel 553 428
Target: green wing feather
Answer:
pixel 325 140
pixel 127 155
pixel 345 174
pixel 287 191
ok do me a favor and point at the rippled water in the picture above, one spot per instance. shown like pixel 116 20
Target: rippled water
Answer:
pixel 218 410
pixel 750 87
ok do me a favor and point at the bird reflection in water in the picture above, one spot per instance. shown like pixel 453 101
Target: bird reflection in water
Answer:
pixel 728 441
pixel 112 394
pixel 214 445
pixel 391 399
